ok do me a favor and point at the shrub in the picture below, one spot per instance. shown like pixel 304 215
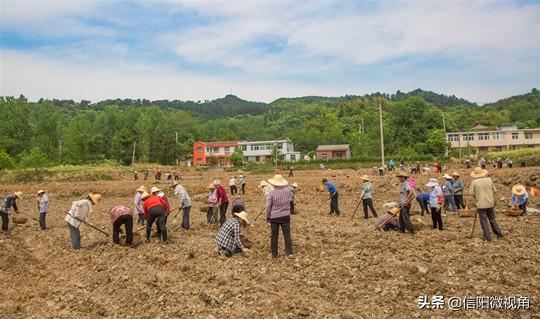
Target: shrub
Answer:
pixel 6 162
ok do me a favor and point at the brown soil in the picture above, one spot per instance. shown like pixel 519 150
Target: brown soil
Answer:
pixel 344 268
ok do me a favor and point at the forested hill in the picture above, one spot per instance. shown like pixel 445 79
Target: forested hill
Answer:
pixel 107 130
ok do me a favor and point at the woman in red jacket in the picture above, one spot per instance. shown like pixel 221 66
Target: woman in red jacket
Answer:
pixel 154 209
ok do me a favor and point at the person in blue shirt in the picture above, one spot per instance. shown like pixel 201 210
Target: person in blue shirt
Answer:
pixel 423 201
pixel 520 197
pixel 332 190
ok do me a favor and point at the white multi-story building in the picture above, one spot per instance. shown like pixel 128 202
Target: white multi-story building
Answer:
pixel 261 151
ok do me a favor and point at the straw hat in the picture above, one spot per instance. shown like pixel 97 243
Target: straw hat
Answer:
pixel 18 194
pixel 95 198
pixel 263 183
pixel 173 184
pixel 278 180
pixel 446 176
pixel 142 189
pixel 402 174
pixel 478 172
pixel 365 178
pixel 211 186
pixel 216 182
pixel 41 192
pixel 241 176
pixel 394 211
pixel 518 189
pixel 154 190
pixel 242 215
pixel 455 173
pixel 432 182
pixel 294 185
pixel 145 195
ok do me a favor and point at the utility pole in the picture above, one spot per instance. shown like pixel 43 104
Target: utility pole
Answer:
pixel 382 133
pixel 459 143
pixel 60 151
pixel 444 129
pixel 133 157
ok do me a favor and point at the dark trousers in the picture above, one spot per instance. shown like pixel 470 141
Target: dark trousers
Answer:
pixel 291 174
pixel 381 172
pixel 223 213
pixel 436 218
pixel 157 214
pixel 405 219
pixel 368 202
pixel 460 203
pixel 523 207
pixel 127 221
pixel 449 201
pixel 292 208
pixel 141 219
pixel 243 186
pixel 5 221
pixel 42 223
pixel 334 207
pixel 234 190
pixel 286 229
pixel 487 218
pixel 159 227
pixel 423 207
pixel 75 236
pixel 185 217
pixel 510 165
pixel 211 215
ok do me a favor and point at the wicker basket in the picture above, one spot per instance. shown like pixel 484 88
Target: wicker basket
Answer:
pixel 19 220
pixel 467 212
pixel 512 212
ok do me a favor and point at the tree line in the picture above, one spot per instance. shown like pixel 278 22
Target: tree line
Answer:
pixel 53 132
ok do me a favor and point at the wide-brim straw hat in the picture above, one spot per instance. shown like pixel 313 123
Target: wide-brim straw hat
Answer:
pixel 211 186
pixel 446 176
pixel 145 195
pixel 478 172
pixel 519 189
pixel 95 198
pixel 394 211
pixel 432 182
pixel 242 215
pixel 263 183
pixel 174 184
pixel 40 192
pixel 241 176
pixel 18 194
pixel 455 173
pixel 402 174
pixel 295 185
pixel 154 190
pixel 365 178
pixel 278 181
pixel 142 188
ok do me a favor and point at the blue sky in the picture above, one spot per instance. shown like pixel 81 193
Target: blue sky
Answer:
pixel 263 50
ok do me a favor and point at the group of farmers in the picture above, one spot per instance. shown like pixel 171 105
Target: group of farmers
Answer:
pixel 154 207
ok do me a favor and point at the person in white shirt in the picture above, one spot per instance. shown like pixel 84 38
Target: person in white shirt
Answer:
pixel 232 185
pixel 185 203
pixel 80 212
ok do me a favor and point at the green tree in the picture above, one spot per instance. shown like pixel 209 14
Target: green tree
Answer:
pixel 35 159
pixel 6 162
pixel 237 157
pixel 436 143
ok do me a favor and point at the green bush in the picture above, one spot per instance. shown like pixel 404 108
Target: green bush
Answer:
pixel 6 162
pixel 35 159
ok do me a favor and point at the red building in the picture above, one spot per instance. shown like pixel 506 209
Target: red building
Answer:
pixel 331 152
pixel 222 151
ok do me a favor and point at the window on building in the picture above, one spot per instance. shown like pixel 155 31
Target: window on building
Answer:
pixel 279 146
pixel 515 136
pixel 468 137
pixel 216 149
pixel 483 136
pixel 255 147
pixel 528 135
pixel 199 149
pixel 498 148
pixel 244 147
pixel 324 156
pixel 199 161
pixel 257 159
pixel 227 150
pixel 453 137
pixel 208 150
pixel 498 136
pixel 222 162
pixel 293 157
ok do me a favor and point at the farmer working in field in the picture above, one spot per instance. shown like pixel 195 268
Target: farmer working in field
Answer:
pixel 243 184
pixel 228 237
pixel 155 209
pixel 334 196
pixel 406 196
pixel 520 198
pixel 388 220
pixel 278 214
pixel 212 204
pixel 435 201
pixel 223 202
pixel 482 189
pixel 9 202
pixel 185 203
pixel 367 197
pixel 43 207
pixel 80 211
pixel 238 205
pixel 423 201
pixel 457 190
pixel 139 204
pixel 447 193
pixel 294 189
pixel 232 185
pixel 121 215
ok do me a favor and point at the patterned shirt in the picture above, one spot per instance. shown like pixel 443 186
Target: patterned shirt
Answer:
pixel 404 192
pixel 118 211
pixel 368 190
pixel 228 236
pixel 43 203
pixel 138 203
pixel 278 203
pixel 447 188
pixel 183 196
pixel 9 201
pixel 458 184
